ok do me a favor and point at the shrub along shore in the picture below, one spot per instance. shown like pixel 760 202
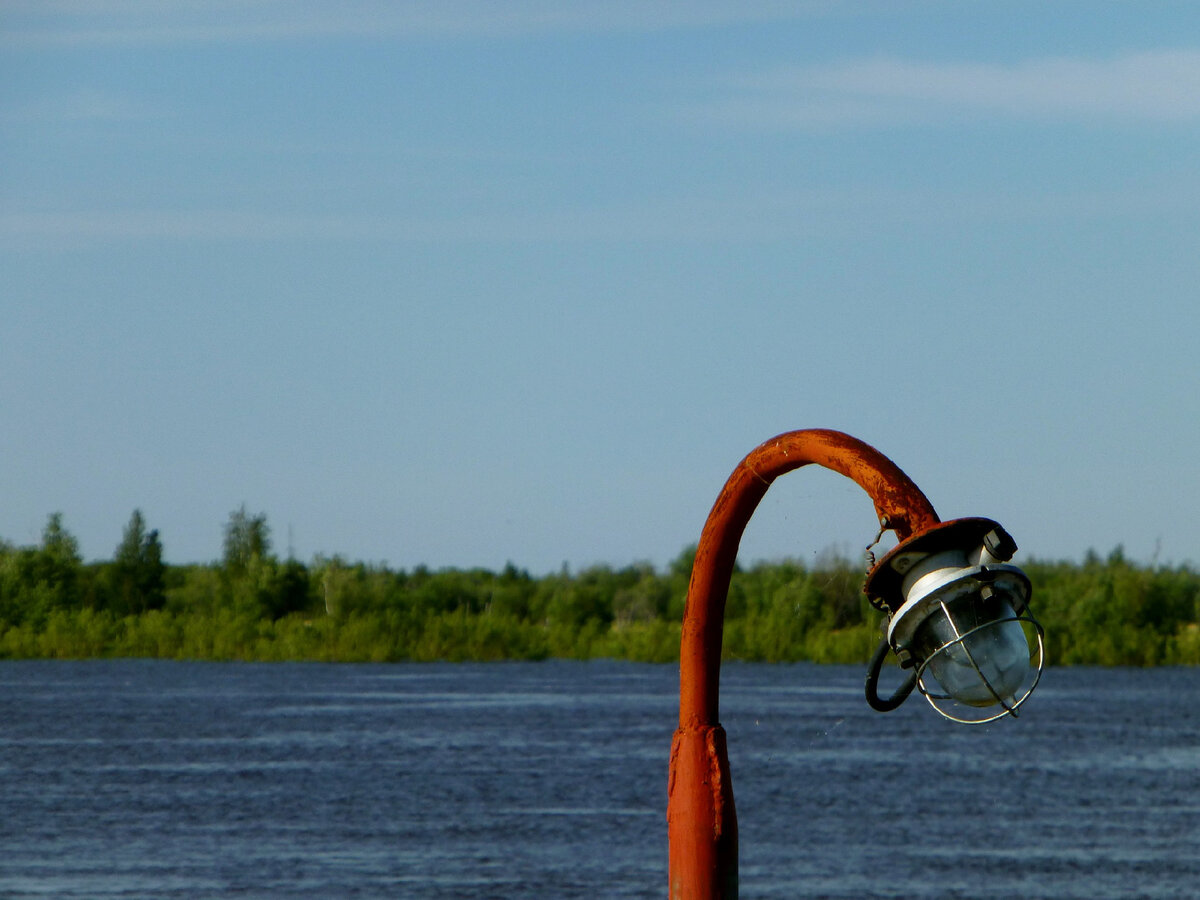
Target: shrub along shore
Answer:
pixel 251 605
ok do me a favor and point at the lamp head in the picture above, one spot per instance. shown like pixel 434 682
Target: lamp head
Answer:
pixel 958 614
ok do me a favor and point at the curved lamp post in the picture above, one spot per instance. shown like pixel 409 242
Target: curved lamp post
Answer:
pixel 955 610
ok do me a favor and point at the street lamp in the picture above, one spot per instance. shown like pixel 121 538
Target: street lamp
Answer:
pixel 957 610
pixel 957 616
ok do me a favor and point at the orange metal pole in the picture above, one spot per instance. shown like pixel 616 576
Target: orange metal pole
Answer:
pixel 701 821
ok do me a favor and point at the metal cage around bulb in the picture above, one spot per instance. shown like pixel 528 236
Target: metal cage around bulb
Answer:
pixel 958 616
pixel 972 640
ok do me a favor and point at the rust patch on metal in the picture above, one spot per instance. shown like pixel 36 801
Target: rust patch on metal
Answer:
pixel 700 796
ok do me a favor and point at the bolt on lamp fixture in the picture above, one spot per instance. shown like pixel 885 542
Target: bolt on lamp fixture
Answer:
pixel 957 613
pixel 957 616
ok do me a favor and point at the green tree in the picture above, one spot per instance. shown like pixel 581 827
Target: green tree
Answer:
pixel 59 546
pixel 645 600
pixel 36 581
pixel 247 538
pixel 679 574
pixel 138 581
pixel 287 590
pixel 59 564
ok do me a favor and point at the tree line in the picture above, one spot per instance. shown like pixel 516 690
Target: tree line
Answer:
pixel 252 605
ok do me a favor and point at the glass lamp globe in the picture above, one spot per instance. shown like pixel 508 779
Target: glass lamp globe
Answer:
pixel 958 617
pixel 975 648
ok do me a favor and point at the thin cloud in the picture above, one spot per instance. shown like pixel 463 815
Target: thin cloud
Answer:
pixel 79 22
pixel 146 225
pixel 71 228
pixel 84 105
pixel 788 213
pixel 1151 86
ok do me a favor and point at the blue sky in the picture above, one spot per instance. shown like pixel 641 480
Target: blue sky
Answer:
pixel 460 283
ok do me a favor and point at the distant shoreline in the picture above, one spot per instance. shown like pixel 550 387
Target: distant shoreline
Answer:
pixel 1102 612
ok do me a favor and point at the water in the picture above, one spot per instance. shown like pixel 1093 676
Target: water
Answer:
pixel 193 780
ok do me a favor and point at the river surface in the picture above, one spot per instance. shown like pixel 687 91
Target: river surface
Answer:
pixel 145 779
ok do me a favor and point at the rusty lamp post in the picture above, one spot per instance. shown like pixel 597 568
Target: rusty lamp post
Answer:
pixel 957 617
